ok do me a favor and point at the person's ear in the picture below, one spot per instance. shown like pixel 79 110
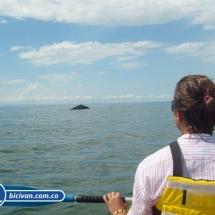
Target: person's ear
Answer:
pixel 179 115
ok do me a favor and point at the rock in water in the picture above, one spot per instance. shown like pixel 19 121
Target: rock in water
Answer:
pixel 79 107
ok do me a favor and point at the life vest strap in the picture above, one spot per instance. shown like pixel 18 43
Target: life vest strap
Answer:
pixel 176 157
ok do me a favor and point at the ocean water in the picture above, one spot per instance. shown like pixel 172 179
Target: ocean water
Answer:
pixel 82 152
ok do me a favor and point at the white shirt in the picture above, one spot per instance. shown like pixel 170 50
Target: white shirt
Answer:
pixel 198 161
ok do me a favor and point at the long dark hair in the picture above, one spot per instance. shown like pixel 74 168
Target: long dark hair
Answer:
pixel 195 98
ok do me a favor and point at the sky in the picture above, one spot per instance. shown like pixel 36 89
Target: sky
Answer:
pixel 99 51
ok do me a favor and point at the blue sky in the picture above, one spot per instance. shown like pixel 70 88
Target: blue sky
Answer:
pixel 84 51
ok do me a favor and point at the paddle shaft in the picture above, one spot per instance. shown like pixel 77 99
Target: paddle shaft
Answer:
pixel 68 198
pixel 94 199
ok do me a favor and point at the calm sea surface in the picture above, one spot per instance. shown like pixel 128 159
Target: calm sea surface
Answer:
pixel 82 152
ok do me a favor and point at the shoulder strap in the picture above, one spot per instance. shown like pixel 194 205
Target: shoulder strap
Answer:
pixel 176 157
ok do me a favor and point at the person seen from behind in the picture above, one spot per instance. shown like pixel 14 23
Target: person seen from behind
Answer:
pixel 179 178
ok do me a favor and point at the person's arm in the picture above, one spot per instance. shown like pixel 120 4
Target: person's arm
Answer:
pixel 115 204
pixel 141 201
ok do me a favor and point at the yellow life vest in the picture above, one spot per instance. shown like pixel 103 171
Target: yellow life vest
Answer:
pixel 185 196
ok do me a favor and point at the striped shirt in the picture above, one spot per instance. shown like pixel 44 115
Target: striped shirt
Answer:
pixel 198 162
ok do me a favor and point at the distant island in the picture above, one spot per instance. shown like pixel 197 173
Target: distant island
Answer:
pixel 79 107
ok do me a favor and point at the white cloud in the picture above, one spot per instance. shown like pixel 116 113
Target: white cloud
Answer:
pixel 3 21
pixel 206 16
pixel 124 58
pixel 160 96
pixel 137 97
pixel 29 89
pixel 112 12
pixel 33 92
pixel 59 77
pixel 84 97
pixel 68 98
pixel 203 50
pixel 190 48
pixel 85 53
pixel 102 73
pixel 13 81
pixel 16 48
pixel 129 96
pixel 65 77
pixel 132 65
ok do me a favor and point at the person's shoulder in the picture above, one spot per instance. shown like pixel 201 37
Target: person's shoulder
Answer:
pixel 157 157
